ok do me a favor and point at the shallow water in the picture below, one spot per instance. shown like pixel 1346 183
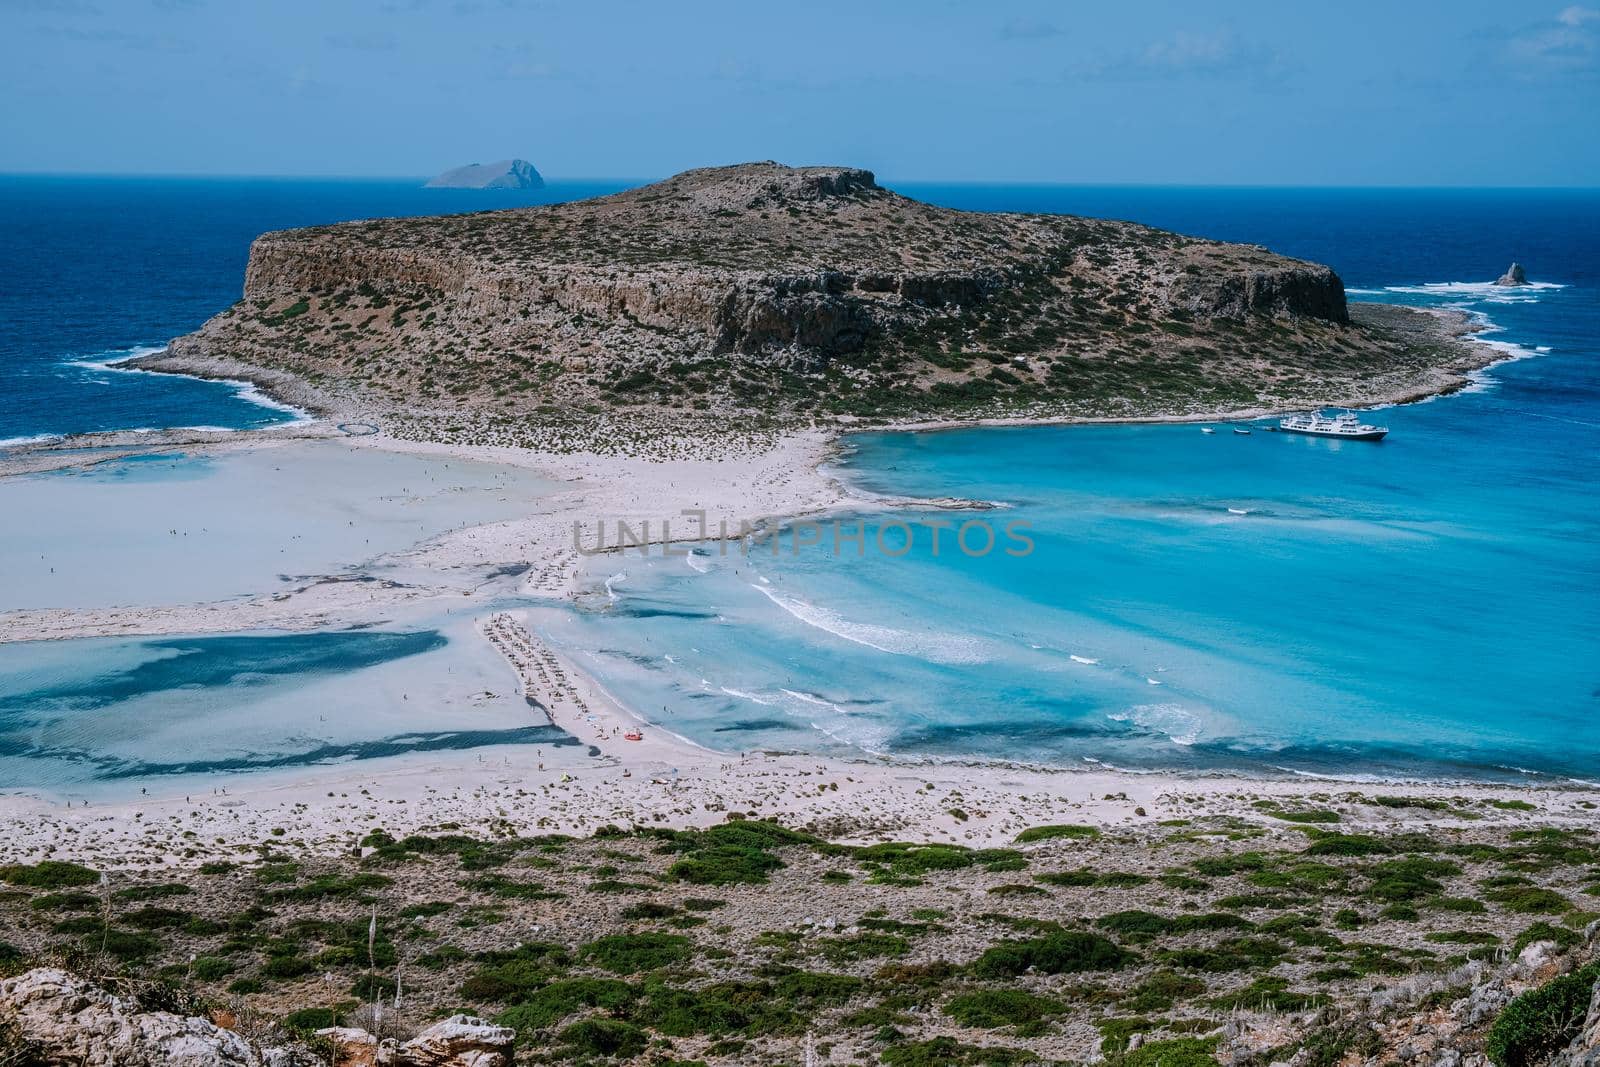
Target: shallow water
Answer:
pixel 183 528
pixel 82 716
pixel 1426 606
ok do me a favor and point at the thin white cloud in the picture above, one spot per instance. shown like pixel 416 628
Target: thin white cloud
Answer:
pixel 1566 47
pixel 1188 54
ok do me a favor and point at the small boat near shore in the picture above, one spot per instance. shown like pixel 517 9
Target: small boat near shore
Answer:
pixel 1241 431
pixel 1346 425
pixel 1207 429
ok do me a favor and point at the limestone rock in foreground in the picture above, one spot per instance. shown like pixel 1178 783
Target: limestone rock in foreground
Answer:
pixel 1514 275
pixel 73 1022
pixel 459 1041
pixel 501 174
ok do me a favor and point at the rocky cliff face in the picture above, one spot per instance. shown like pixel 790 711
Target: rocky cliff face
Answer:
pixel 717 288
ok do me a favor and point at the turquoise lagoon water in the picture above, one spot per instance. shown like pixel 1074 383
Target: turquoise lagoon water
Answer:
pixel 1428 606
pixel 84 714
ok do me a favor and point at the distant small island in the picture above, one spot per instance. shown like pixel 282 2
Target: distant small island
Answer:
pixel 501 174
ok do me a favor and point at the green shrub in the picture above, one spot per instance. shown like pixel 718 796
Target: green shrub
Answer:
pixel 1314 815
pixel 1050 833
pixel 558 1000
pixel 991 1008
pixel 1069 879
pixel 725 865
pixel 1542 1020
pixel 153 918
pixel 309 1020
pixel 948 1052
pixel 718 1010
pixel 283 967
pixel 65 902
pixel 1161 990
pixel 425 909
pixel 48 874
pixel 507 977
pixel 153 892
pixel 605 1037
pixel 1408 879
pixel 1530 899
pixel 211 968
pixel 863 946
pixel 1177 1052
pixel 1268 994
pixel 1543 931
pixel 649 909
pixel 1134 925
pixel 1462 937
pixel 125 945
pixel 1058 952
pixel 818 988
pixel 632 953
pixel 1347 845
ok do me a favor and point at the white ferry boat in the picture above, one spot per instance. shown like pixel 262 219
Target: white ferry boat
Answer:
pixel 1346 424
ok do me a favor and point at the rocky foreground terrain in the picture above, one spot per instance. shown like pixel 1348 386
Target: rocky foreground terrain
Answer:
pixel 1306 935
pixel 771 291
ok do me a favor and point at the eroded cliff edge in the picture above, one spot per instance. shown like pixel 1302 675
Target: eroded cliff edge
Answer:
pixel 797 291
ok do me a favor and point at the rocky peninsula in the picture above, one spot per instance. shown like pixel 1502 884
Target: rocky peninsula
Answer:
pixel 811 293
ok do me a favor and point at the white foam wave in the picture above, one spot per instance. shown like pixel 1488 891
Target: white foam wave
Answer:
pixel 612 582
pixel 1180 725
pixel 1474 289
pixel 12 442
pixel 936 647
pixel 814 700
pixel 696 563
pixel 1085 660
pixel 110 360
pixel 740 694
pixel 114 362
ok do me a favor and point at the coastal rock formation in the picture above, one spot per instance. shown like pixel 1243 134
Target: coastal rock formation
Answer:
pixel 501 174
pixel 65 1020
pixel 768 288
pixel 1514 275
pixel 459 1041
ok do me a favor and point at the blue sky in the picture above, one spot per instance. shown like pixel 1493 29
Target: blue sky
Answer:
pixel 1394 93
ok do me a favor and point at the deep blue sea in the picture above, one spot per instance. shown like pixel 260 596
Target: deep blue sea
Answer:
pixel 1426 606
pixel 96 269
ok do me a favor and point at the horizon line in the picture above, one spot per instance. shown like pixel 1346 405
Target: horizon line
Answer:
pixel 888 182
